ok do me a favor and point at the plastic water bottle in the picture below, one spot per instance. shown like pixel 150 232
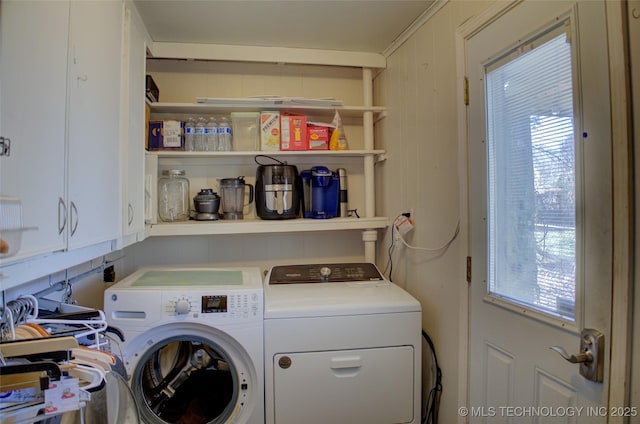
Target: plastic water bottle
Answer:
pixel 201 137
pixel 224 135
pixel 211 131
pixel 189 135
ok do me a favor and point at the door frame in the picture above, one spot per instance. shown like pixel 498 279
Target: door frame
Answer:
pixel 622 284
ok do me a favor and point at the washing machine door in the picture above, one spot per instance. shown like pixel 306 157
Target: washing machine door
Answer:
pixel 192 374
pixel 120 404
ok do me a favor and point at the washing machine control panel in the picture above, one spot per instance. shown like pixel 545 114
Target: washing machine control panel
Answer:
pixel 214 304
pixel 234 306
pixel 182 307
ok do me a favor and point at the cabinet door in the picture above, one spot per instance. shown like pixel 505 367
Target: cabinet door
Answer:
pixel 33 102
pixel 94 122
pixel 133 114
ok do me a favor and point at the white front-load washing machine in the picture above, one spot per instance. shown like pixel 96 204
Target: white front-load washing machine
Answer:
pixel 193 346
pixel 342 345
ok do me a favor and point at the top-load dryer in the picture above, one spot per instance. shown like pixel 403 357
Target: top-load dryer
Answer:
pixel 193 343
pixel 342 345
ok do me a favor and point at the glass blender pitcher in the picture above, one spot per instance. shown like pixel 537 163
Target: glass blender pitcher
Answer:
pixel 232 191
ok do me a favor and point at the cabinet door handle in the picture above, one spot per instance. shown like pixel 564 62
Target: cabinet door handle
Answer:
pixel 130 215
pixel 62 213
pixel 5 146
pixel 74 211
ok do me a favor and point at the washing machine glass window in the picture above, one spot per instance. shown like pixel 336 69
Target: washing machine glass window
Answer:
pixel 185 380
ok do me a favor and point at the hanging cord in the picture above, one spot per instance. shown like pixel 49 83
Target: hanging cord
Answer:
pixel 430 249
pixel 389 266
pixel 392 246
pixel 432 403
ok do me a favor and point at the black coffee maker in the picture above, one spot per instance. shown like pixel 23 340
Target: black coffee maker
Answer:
pixel 277 191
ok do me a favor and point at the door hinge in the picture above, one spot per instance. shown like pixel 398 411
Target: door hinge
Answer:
pixel 468 269
pixel 466 91
pixel 5 146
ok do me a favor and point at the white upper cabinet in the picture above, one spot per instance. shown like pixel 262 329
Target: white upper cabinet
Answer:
pixel 133 126
pixel 61 99
pixel 33 73
pixel 94 183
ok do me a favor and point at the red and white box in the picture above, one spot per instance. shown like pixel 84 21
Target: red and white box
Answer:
pixel 293 132
pixel 317 137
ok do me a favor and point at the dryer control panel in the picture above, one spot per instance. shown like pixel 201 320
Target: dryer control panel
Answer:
pixel 324 273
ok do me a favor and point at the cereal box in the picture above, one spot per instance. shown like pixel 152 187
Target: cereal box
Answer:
pixel 293 132
pixel 270 130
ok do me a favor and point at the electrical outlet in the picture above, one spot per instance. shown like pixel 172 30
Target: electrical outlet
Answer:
pixel 403 225
pixel 109 274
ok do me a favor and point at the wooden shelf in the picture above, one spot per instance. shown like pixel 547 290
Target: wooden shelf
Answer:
pixel 227 107
pixel 259 226
pixel 179 154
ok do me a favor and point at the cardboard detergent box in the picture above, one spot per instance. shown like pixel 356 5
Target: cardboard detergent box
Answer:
pixel 293 132
pixel 166 135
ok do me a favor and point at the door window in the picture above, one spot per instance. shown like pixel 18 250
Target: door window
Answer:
pixel 531 153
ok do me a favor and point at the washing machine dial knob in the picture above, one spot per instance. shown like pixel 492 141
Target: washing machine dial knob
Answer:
pixel 325 272
pixel 182 307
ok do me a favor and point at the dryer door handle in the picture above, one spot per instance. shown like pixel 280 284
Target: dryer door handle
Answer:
pixel 346 366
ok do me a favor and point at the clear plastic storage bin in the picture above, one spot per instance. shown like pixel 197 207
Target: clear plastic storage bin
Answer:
pixel 246 130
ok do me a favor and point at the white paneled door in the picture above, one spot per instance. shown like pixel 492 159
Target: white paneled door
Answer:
pixel 539 157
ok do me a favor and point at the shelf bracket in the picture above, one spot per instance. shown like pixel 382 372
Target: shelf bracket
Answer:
pixel 381 157
pixel 369 237
pixel 380 116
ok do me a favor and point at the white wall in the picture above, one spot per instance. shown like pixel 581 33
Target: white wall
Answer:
pixel 419 88
pixel 262 250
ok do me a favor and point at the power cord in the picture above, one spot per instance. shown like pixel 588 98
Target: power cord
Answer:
pixel 389 266
pixel 432 403
pixel 429 249
pixel 397 235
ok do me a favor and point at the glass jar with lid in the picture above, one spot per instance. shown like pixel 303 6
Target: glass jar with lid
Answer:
pixel 173 196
